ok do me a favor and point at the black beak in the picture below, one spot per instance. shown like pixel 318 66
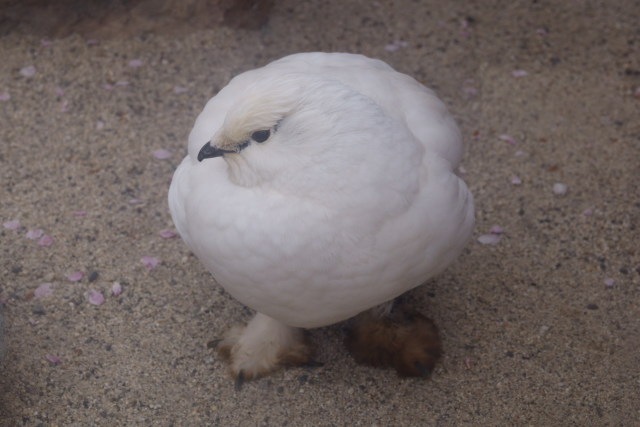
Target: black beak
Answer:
pixel 208 152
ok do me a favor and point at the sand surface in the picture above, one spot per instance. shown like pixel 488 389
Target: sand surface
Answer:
pixel 540 328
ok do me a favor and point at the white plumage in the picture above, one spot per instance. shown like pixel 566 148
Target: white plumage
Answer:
pixel 351 200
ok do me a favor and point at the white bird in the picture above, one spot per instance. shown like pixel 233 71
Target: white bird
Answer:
pixel 318 187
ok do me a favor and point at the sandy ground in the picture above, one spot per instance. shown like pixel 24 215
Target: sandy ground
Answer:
pixel 541 328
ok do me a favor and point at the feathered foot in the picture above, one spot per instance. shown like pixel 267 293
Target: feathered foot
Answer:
pixel 262 346
pixel 406 341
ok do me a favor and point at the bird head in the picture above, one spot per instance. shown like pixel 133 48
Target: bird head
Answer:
pixel 284 129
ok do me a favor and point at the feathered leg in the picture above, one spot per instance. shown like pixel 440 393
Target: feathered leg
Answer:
pixel 404 340
pixel 262 346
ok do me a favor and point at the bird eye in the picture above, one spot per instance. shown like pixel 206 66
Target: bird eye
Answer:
pixel 261 135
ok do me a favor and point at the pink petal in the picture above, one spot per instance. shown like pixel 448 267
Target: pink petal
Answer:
pixel 161 153
pixel 520 153
pixel 559 188
pixel 541 31
pixel 3 301
pixel 136 202
pixel 12 225
pixel 34 233
pixel 4 96
pixel 79 213
pixel 587 212
pixel 515 180
pixel 496 229
pixel 122 83
pixel 95 297
pixel 107 86
pixel 93 41
pixel 74 277
pixel 52 358
pixel 135 63
pixel 508 139
pixel 99 125
pixel 470 90
pixel 116 288
pixel 45 240
pixel 179 89
pixel 608 282
pixel 59 91
pixel 28 71
pixel 489 239
pixel 149 262
pixel 167 234
pixel 64 106
pixel 462 170
pixel 391 47
pixel 44 290
pixel 519 73
pixel 45 42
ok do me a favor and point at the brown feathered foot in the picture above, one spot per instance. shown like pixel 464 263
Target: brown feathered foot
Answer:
pixel 407 341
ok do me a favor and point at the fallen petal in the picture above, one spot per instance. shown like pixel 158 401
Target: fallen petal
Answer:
pixel 44 290
pixel 179 89
pixel 508 139
pixel 559 188
pixel 28 71
pixel 167 234
pixel 45 42
pixel 52 358
pixel 59 91
pixel 12 225
pixel 45 240
pixel 136 202
pixel 79 213
pixel 116 288
pixel 74 277
pixel 515 180
pixel 64 106
pixel 587 212
pixel 4 96
pixel 391 47
pixel 519 73
pixel 149 262
pixel 489 239
pixel 608 282
pixel 34 233
pixel 135 63
pixel 95 297
pixel 161 153
pixel 496 229
pixel 107 86
pixel 122 83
